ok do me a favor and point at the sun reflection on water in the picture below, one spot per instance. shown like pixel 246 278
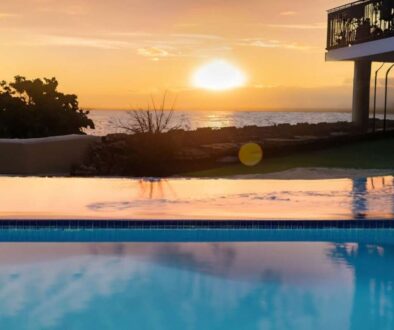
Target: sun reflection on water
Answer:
pixel 196 198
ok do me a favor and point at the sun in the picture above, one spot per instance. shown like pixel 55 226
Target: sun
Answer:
pixel 218 75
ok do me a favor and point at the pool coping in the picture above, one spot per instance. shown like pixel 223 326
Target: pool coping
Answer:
pixel 194 224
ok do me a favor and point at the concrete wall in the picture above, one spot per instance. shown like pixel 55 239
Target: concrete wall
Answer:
pixel 44 156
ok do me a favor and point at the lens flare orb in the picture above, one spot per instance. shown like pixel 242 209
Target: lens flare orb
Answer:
pixel 250 154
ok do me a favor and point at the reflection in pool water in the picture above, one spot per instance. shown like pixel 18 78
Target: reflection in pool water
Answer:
pixel 259 285
pixel 196 199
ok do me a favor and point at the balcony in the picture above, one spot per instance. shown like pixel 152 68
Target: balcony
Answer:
pixel 359 22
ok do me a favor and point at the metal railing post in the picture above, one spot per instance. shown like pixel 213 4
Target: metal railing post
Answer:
pixel 374 98
pixel 385 97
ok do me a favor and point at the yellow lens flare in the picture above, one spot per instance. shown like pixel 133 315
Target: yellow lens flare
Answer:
pixel 250 154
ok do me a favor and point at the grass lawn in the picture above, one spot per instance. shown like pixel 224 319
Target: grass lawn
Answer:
pixel 377 154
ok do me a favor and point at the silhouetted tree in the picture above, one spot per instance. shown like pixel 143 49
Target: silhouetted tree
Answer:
pixel 34 108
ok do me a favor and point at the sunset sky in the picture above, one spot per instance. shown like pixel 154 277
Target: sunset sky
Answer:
pixel 114 54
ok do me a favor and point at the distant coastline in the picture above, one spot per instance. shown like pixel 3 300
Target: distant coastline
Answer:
pixel 241 110
pixel 104 119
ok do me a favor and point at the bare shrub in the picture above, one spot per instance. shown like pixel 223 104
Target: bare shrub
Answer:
pixel 154 119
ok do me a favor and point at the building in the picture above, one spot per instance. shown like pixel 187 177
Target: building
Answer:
pixel 362 32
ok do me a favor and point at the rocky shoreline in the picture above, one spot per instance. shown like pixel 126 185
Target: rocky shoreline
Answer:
pixel 183 151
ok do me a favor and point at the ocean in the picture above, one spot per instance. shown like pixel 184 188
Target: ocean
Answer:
pixel 109 121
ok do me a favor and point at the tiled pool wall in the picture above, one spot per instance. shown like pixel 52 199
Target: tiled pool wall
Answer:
pixel 376 235
pixel 196 224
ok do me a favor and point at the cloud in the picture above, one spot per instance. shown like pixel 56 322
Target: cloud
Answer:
pixel 183 45
pixel 175 39
pixel 70 10
pixel 197 36
pixel 153 46
pixel 264 86
pixel 160 45
pixel 316 26
pixel 83 42
pixel 160 52
pixel 153 52
pixel 7 15
pixel 130 34
pixel 261 96
pixel 261 43
pixel 288 13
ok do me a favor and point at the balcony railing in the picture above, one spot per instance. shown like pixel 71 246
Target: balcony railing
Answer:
pixel 360 21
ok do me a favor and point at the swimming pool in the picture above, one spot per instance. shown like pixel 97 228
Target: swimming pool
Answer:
pixel 196 254
pixel 328 279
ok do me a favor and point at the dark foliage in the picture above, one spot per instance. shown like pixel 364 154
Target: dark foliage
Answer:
pixel 34 108
pixel 142 154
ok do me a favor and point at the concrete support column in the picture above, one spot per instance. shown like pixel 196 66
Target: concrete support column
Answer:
pixel 361 90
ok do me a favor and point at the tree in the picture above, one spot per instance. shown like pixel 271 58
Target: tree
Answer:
pixel 35 108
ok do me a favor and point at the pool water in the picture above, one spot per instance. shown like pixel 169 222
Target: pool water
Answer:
pixel 278 285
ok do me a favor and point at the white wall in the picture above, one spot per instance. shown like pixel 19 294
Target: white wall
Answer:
pixel 378 50
pixel 44 156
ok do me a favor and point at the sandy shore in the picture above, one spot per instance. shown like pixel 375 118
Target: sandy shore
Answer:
pixel 309 173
